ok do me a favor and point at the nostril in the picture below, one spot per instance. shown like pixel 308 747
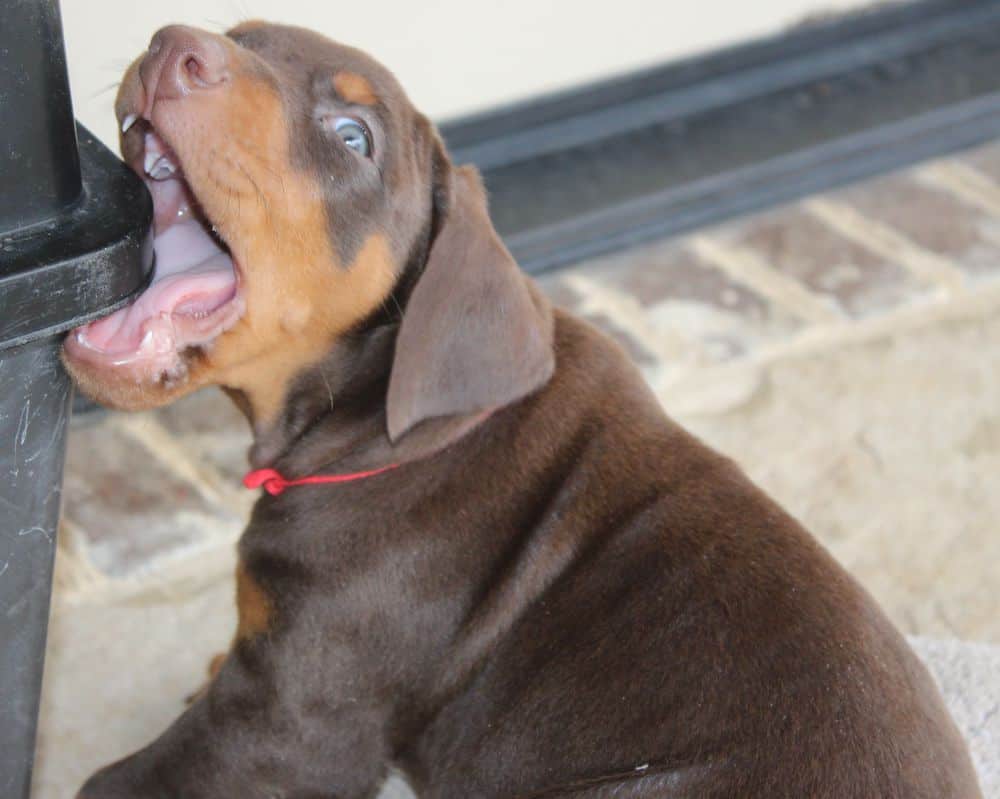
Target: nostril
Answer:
pixel 194 69
pixel 200 72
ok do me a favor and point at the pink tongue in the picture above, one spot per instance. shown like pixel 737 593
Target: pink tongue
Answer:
pixel 193 277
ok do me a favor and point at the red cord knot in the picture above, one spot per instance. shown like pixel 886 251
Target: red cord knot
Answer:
pixel 268 479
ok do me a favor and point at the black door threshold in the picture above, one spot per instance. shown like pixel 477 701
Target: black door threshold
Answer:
pixel 672 148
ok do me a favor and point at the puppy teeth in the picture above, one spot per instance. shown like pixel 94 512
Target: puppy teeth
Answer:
pixel 162 169
pixel 128 122
pixel 153 144
pixel 159 167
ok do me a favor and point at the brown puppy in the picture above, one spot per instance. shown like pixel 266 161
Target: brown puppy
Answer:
pixel 556 591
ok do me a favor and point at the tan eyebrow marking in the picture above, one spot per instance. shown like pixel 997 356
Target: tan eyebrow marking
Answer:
pixel 354 88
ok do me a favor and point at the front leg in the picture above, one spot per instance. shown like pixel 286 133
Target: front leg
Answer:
pixel 248 737
pixel 286 716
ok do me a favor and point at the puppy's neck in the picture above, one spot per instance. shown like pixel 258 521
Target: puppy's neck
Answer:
pixel 334 418
pixel 342 396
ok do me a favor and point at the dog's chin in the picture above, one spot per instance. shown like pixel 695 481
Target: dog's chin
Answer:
pixel 124 390
pixel 142 355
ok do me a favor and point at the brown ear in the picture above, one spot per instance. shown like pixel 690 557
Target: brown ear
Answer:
pixel 475 335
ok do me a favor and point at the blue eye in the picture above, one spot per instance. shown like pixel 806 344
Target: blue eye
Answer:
pixel 354 134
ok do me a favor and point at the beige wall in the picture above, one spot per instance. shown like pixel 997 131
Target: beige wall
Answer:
pixel 453 56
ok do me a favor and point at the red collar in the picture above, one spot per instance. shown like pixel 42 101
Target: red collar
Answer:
pixel 274 484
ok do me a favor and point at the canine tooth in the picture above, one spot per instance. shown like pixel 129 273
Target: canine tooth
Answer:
pixel 128 122
pixel 150 162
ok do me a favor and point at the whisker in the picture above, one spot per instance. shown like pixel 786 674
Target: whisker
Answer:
pixel 329 388
pixel 232 165
pixel 116 64
pixel 261 198
pixel 213 154
pixel 106 89
pixel 265 163
pixel 216 24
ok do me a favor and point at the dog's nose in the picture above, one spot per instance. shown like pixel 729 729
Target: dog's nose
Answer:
pixel 181 61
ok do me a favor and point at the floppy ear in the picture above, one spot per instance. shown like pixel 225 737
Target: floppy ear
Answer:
pixel 476 335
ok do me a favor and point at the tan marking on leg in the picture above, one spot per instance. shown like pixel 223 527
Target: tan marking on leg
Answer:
pixel 252 604
pixel 215 664
pixel 354 88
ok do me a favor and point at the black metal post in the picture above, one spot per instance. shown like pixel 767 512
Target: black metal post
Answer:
pixel 73 244
pixel 39 176
pixel 39 162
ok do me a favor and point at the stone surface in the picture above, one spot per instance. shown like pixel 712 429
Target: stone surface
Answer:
pixel 888 451
pixel 672 311
pixel 208 425
pixel 984 159
pixel 129 507
pixel 859 282
pixel 969 677
pixel 935 218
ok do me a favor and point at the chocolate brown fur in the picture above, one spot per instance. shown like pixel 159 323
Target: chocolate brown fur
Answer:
pixel 558 593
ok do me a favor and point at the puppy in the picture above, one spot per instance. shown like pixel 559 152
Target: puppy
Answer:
pixel 483 555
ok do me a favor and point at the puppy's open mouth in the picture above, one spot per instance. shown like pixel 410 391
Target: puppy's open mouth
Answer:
pixel 194 294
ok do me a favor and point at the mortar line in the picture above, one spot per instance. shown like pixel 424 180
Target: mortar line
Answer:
pixel 75 537
pixel 927 266
pixel 963 182
pixel 752 271
pixel 178 575
pixel 624 310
